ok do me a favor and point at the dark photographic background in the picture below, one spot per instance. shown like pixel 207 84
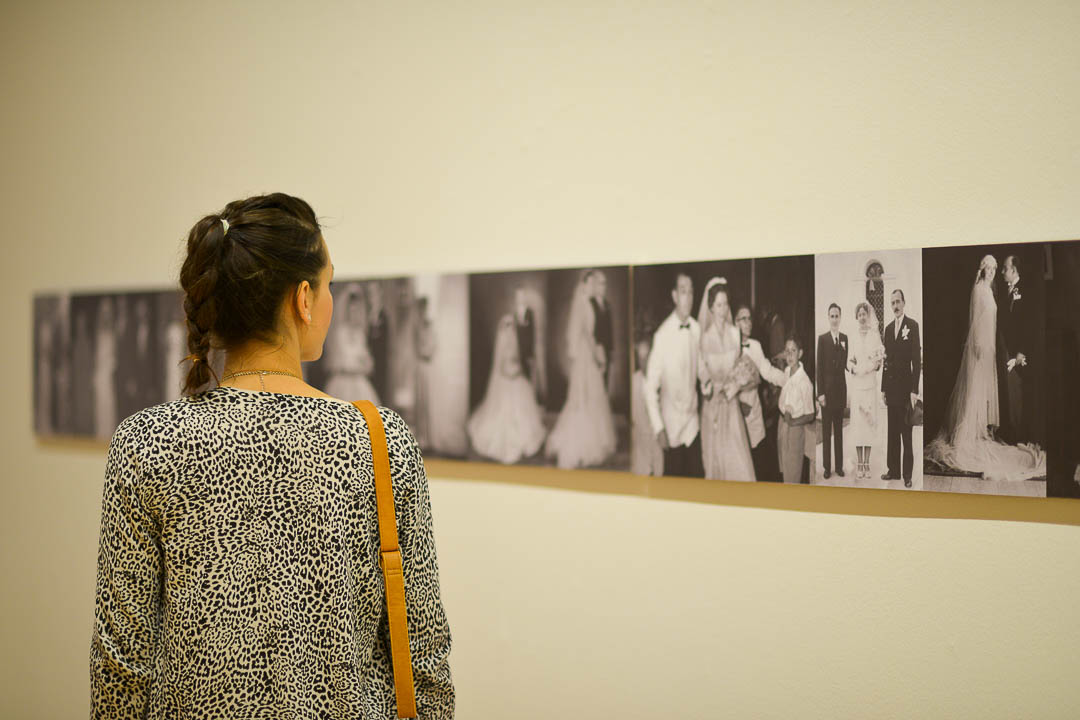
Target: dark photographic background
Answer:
pixel 50 364
pixel 779 290
pixel 1063 370
pixel 82 359
pixel 491 295
pixel 561 286
pixel 948 277
pixel 170 326
pixel 149 344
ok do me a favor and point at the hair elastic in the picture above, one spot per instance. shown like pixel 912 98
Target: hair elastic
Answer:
pixel 225 225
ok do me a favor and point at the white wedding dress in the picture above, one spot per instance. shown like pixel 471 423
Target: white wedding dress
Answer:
pixel 584 434
pixel 350 365
pixel 964 442
pixel 508 425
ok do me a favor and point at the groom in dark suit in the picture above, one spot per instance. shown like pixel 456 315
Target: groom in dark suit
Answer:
pixel 525 326
pixel 602 329
pixel 832 354
pixel 900 386
pixel 1015 323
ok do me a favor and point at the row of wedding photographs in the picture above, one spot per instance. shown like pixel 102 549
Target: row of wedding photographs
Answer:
pixel 944 369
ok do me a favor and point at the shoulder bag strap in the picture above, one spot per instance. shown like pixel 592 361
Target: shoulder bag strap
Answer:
pixel 390 561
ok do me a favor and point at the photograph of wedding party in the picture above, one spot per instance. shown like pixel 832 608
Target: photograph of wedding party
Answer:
pixel 985 373
pixel 549 379
pixel 125 347
pixel 1062 376
pixel 722 385
pixel 403 343
pixel 869 344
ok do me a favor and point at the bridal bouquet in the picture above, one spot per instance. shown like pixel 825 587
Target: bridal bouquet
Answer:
pixel 876 355
pixel 744 373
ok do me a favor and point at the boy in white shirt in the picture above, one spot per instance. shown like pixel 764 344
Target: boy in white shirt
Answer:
pixel 797 410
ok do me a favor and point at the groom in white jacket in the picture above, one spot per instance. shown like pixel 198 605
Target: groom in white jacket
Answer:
pixel 671 393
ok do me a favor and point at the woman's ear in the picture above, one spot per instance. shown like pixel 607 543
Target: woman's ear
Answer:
pixel 304 300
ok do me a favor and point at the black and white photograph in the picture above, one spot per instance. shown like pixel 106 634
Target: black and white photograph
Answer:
pixel 722 382
pixel 550 381
pixel 100 358
pixel 1063 370
pixel 403 343
pixel 52 366
pixel 869 343
pixel 986 368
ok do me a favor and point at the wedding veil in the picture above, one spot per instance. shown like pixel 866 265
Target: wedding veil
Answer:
pixel 704 313
pixel 577 325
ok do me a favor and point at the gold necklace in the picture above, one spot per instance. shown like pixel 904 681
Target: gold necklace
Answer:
pixel 260 373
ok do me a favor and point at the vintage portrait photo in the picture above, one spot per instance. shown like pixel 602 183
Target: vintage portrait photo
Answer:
pixel 870 348
pixel 403 343
pixel 986 368
pixel 549 367
pixel 100 358
pixel 722 383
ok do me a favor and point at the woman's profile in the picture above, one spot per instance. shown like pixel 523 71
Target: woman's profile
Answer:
pixel 965 441
pixel 238 563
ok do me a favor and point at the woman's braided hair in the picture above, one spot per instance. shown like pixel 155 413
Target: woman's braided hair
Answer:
pixel 237 273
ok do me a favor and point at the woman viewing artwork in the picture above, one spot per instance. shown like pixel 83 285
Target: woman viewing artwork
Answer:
pixel 584 433
pixel 508 425
pixel 238 570
pixel 864 362
pixel 724 371
pixel 966 441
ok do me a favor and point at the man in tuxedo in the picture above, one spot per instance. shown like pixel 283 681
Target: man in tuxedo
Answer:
pixel 671 385
pixel 1015 323
pixel 900 386
pixel 603 332
pixel 832 353
pixel 525 325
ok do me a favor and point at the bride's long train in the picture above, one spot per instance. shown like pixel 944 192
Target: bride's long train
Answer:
pixel 965 442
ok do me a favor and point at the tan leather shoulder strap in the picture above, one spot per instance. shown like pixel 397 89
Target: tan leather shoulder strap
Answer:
pixel 390 560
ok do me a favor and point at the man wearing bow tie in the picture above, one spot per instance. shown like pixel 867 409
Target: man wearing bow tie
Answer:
pixel 1015 325
pixel 671 394
pixel 832 353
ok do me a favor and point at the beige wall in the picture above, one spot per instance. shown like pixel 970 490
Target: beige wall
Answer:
pixel 467 136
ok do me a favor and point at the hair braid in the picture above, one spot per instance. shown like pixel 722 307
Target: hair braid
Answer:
pixel 235 281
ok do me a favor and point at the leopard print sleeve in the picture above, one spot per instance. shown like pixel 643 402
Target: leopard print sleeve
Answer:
pixel 429 633
pixel 130 567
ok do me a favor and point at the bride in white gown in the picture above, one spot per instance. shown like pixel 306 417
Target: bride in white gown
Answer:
pixel 508 424
pixel 584 434
pixel 965 442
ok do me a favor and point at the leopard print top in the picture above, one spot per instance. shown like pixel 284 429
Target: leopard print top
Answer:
pixel 238 565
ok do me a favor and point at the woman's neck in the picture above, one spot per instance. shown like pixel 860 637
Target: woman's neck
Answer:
pixel 257 355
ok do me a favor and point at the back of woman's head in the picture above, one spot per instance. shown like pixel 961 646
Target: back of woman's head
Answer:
pixel 238 272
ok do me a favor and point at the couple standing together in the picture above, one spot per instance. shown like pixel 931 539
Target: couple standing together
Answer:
pixel 999 341
pixel 900 353
pixel 711 351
